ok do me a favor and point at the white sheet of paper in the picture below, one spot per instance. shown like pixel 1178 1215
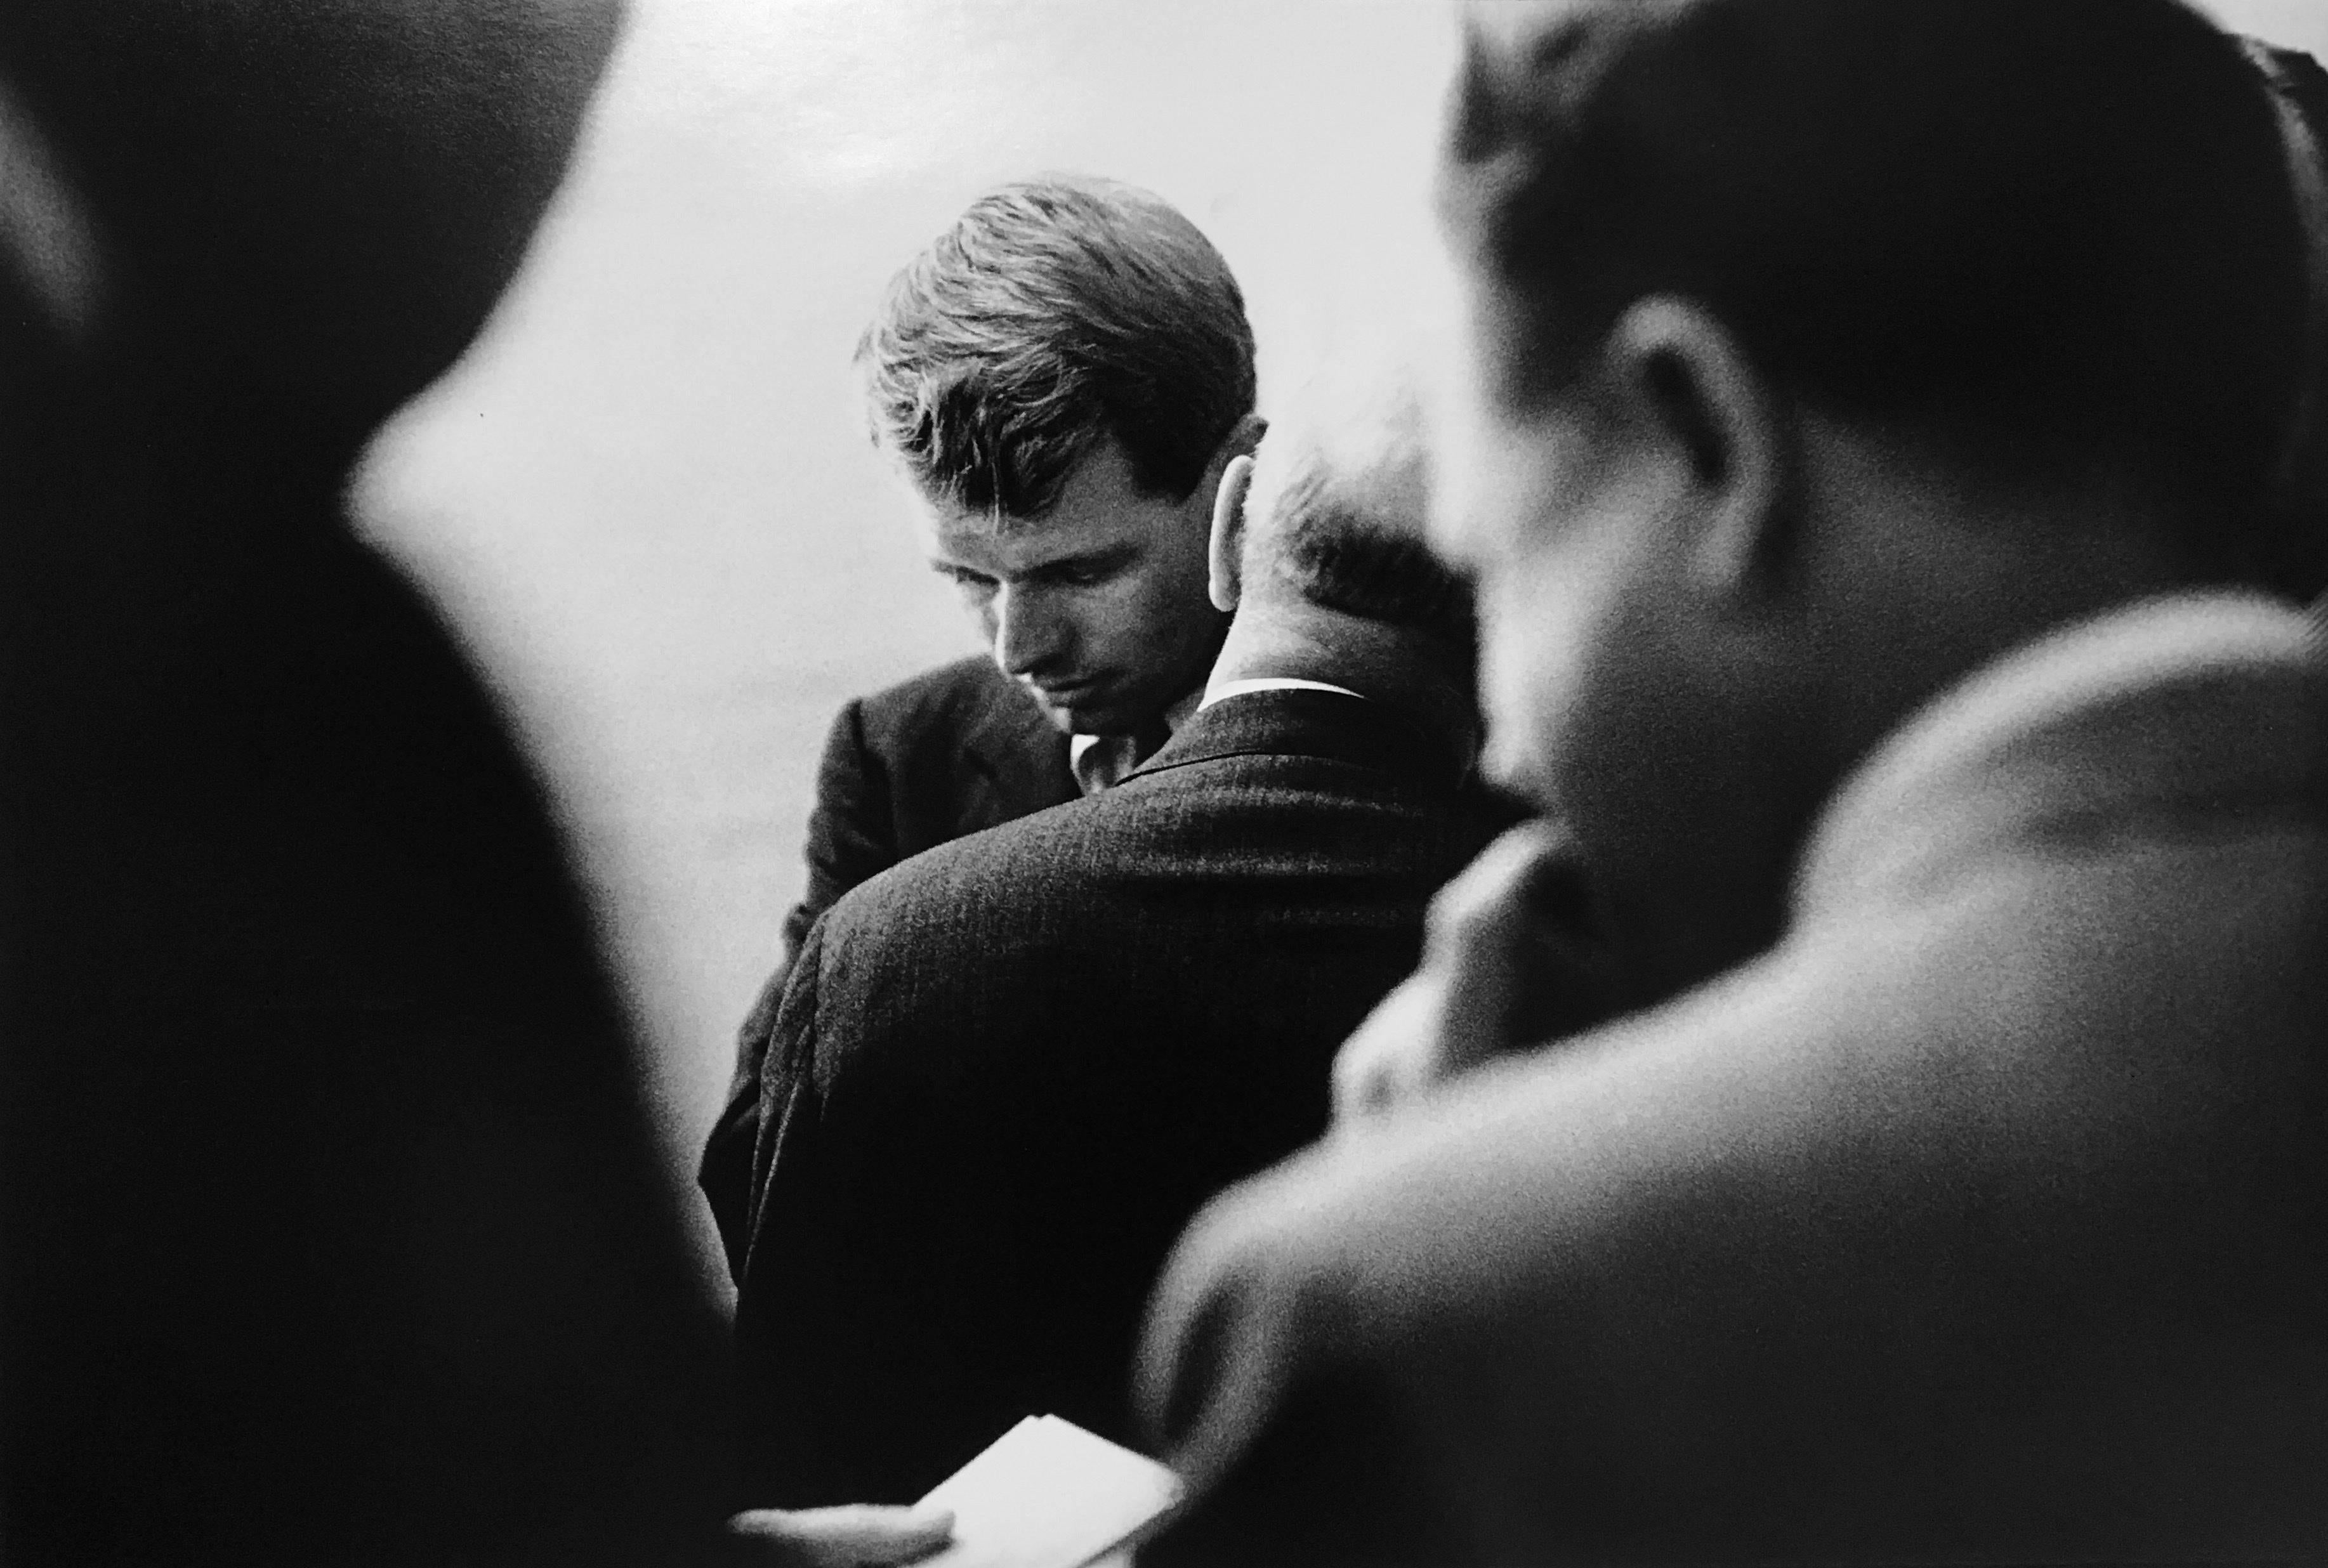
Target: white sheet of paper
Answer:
pixel 1047 1494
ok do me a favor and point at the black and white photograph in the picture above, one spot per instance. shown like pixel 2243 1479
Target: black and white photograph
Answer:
pixel 1204 783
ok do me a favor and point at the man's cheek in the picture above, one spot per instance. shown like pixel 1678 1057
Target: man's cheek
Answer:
pixel 1539 619
pixel 1156 623
pixel 1521 688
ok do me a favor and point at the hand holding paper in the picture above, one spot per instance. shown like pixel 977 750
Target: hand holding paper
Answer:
pixel 1047 1494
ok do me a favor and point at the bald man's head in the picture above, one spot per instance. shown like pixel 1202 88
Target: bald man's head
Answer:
pixel 1335 512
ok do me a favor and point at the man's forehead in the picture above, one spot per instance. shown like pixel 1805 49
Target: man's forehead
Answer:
pixel 970 537
pixel 1097 507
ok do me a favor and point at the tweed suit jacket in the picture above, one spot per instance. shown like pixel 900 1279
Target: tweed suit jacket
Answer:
pixel 1007 1071
pixel 1981 1219
pixel 954 751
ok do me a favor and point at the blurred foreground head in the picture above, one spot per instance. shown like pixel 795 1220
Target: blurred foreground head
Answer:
pixel 1822 351
pixel 306 209
pixel 329 1222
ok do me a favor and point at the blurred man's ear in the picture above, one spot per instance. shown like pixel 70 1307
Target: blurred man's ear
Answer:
pixel 1224 553
pixel 1710 413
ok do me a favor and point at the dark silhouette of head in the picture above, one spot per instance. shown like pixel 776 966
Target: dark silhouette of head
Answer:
pixel 300 211
pixel 331 1229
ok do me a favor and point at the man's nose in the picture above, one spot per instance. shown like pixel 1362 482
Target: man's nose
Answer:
pixel 1028 634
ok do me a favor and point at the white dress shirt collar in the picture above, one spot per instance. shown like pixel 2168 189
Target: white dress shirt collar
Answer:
pixel 1098 762
pixel 1222 691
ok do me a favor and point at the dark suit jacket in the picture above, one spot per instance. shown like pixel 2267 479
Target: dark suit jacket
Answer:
pixel 1983 1219
pixel 954 751
pixel 1008 1071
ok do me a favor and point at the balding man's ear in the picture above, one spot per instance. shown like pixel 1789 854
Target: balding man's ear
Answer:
pixel 1721 424
pixel 1223 554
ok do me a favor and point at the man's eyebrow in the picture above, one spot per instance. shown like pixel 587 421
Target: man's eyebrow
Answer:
pixel 1100 557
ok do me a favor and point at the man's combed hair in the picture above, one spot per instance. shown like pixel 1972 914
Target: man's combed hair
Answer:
pixel 2060 229
pixel 1054 314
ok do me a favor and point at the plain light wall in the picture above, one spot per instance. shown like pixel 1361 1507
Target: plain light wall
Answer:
pixel 646 499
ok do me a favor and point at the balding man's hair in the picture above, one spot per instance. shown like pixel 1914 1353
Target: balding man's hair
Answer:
pixel 2052 231
pixel 1336 510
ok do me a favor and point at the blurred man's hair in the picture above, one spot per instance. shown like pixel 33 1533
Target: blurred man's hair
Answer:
pixel 1335 516
pixel 1054 314
pixel 2053 231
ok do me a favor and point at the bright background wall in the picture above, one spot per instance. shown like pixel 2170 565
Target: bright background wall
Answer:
pixel 645 498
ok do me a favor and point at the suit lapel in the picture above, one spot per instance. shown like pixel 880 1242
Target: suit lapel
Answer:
pixel 1013 761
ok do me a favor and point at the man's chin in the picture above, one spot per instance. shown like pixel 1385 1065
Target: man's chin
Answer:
pixel 1092 721
pixel 1083 716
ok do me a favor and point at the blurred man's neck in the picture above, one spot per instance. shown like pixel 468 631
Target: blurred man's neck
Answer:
pixel 1910 572
pixel 1925 569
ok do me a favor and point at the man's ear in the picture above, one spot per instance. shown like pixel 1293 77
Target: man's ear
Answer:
pixel 1699 397
pixel 1224 552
